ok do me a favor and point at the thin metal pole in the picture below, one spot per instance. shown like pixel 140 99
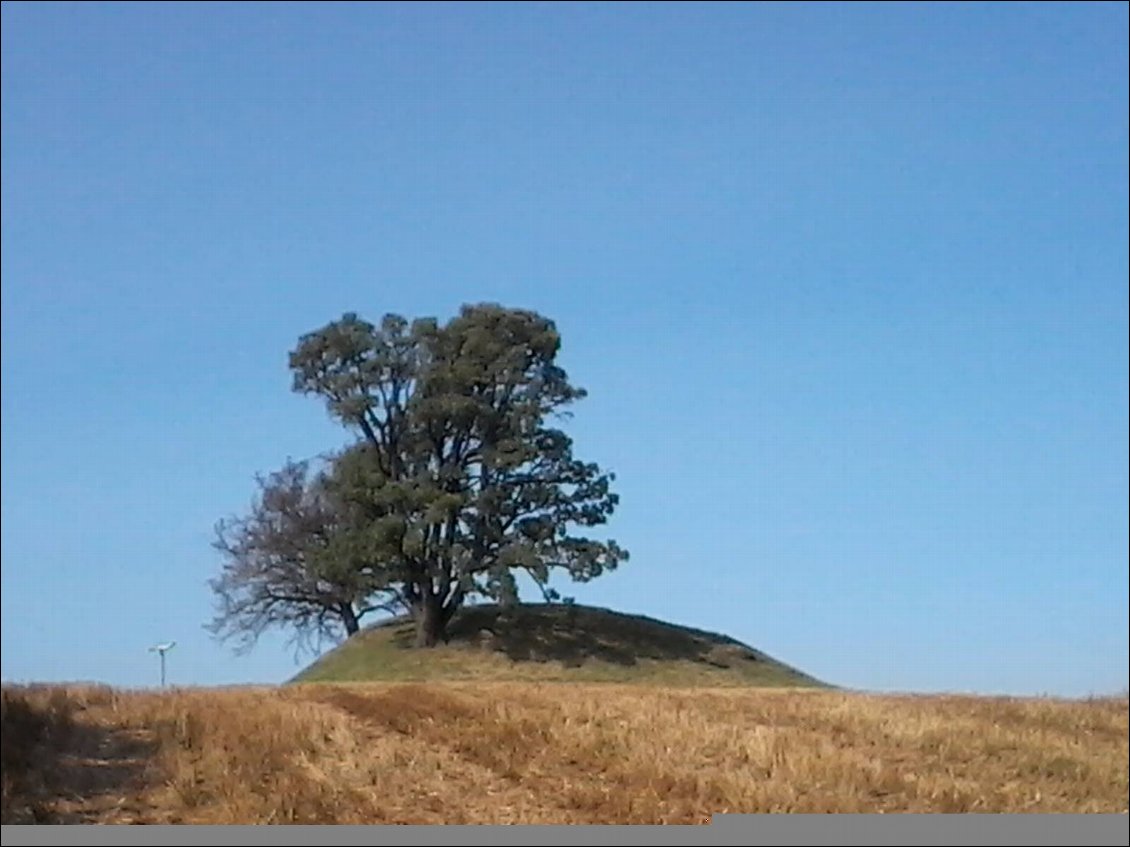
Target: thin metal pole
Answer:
pixel 162 649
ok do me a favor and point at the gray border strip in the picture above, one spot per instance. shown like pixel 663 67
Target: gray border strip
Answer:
pixel 899 829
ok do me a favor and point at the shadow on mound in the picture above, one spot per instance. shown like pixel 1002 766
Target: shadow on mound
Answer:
pixel 571 635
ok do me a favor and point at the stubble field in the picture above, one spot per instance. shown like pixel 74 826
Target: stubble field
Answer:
pixel 508 753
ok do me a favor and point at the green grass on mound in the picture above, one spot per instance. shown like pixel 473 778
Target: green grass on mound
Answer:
pixel 553 643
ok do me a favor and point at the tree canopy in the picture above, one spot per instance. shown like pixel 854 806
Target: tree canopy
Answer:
pixel 457 476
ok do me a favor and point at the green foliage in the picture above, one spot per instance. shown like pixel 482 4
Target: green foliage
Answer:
pixel 459 475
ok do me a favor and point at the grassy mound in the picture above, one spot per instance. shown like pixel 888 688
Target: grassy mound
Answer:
pixel 553 643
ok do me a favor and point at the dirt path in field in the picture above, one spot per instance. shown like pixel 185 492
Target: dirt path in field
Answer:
pixel 103 777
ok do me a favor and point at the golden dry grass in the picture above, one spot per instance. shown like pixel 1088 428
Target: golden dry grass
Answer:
pixel 545 753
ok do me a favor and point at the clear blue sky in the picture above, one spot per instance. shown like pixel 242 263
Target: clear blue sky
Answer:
pixel 847 285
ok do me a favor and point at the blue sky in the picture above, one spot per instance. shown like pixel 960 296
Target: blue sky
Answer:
pixel 847 285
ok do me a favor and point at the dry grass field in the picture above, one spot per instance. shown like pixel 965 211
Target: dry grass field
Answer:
pixel 521 752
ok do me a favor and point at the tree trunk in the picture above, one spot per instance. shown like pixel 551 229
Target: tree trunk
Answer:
pixel 430 622
pixel 349 619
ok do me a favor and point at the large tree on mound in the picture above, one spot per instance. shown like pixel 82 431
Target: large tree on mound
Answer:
pixel 457 479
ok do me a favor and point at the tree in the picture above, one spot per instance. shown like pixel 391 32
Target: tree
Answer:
pixel 459 479
pixel 456 479
pixel 288 564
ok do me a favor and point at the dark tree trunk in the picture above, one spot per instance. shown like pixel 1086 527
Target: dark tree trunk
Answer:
pixel 349 619
pixel 430 621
